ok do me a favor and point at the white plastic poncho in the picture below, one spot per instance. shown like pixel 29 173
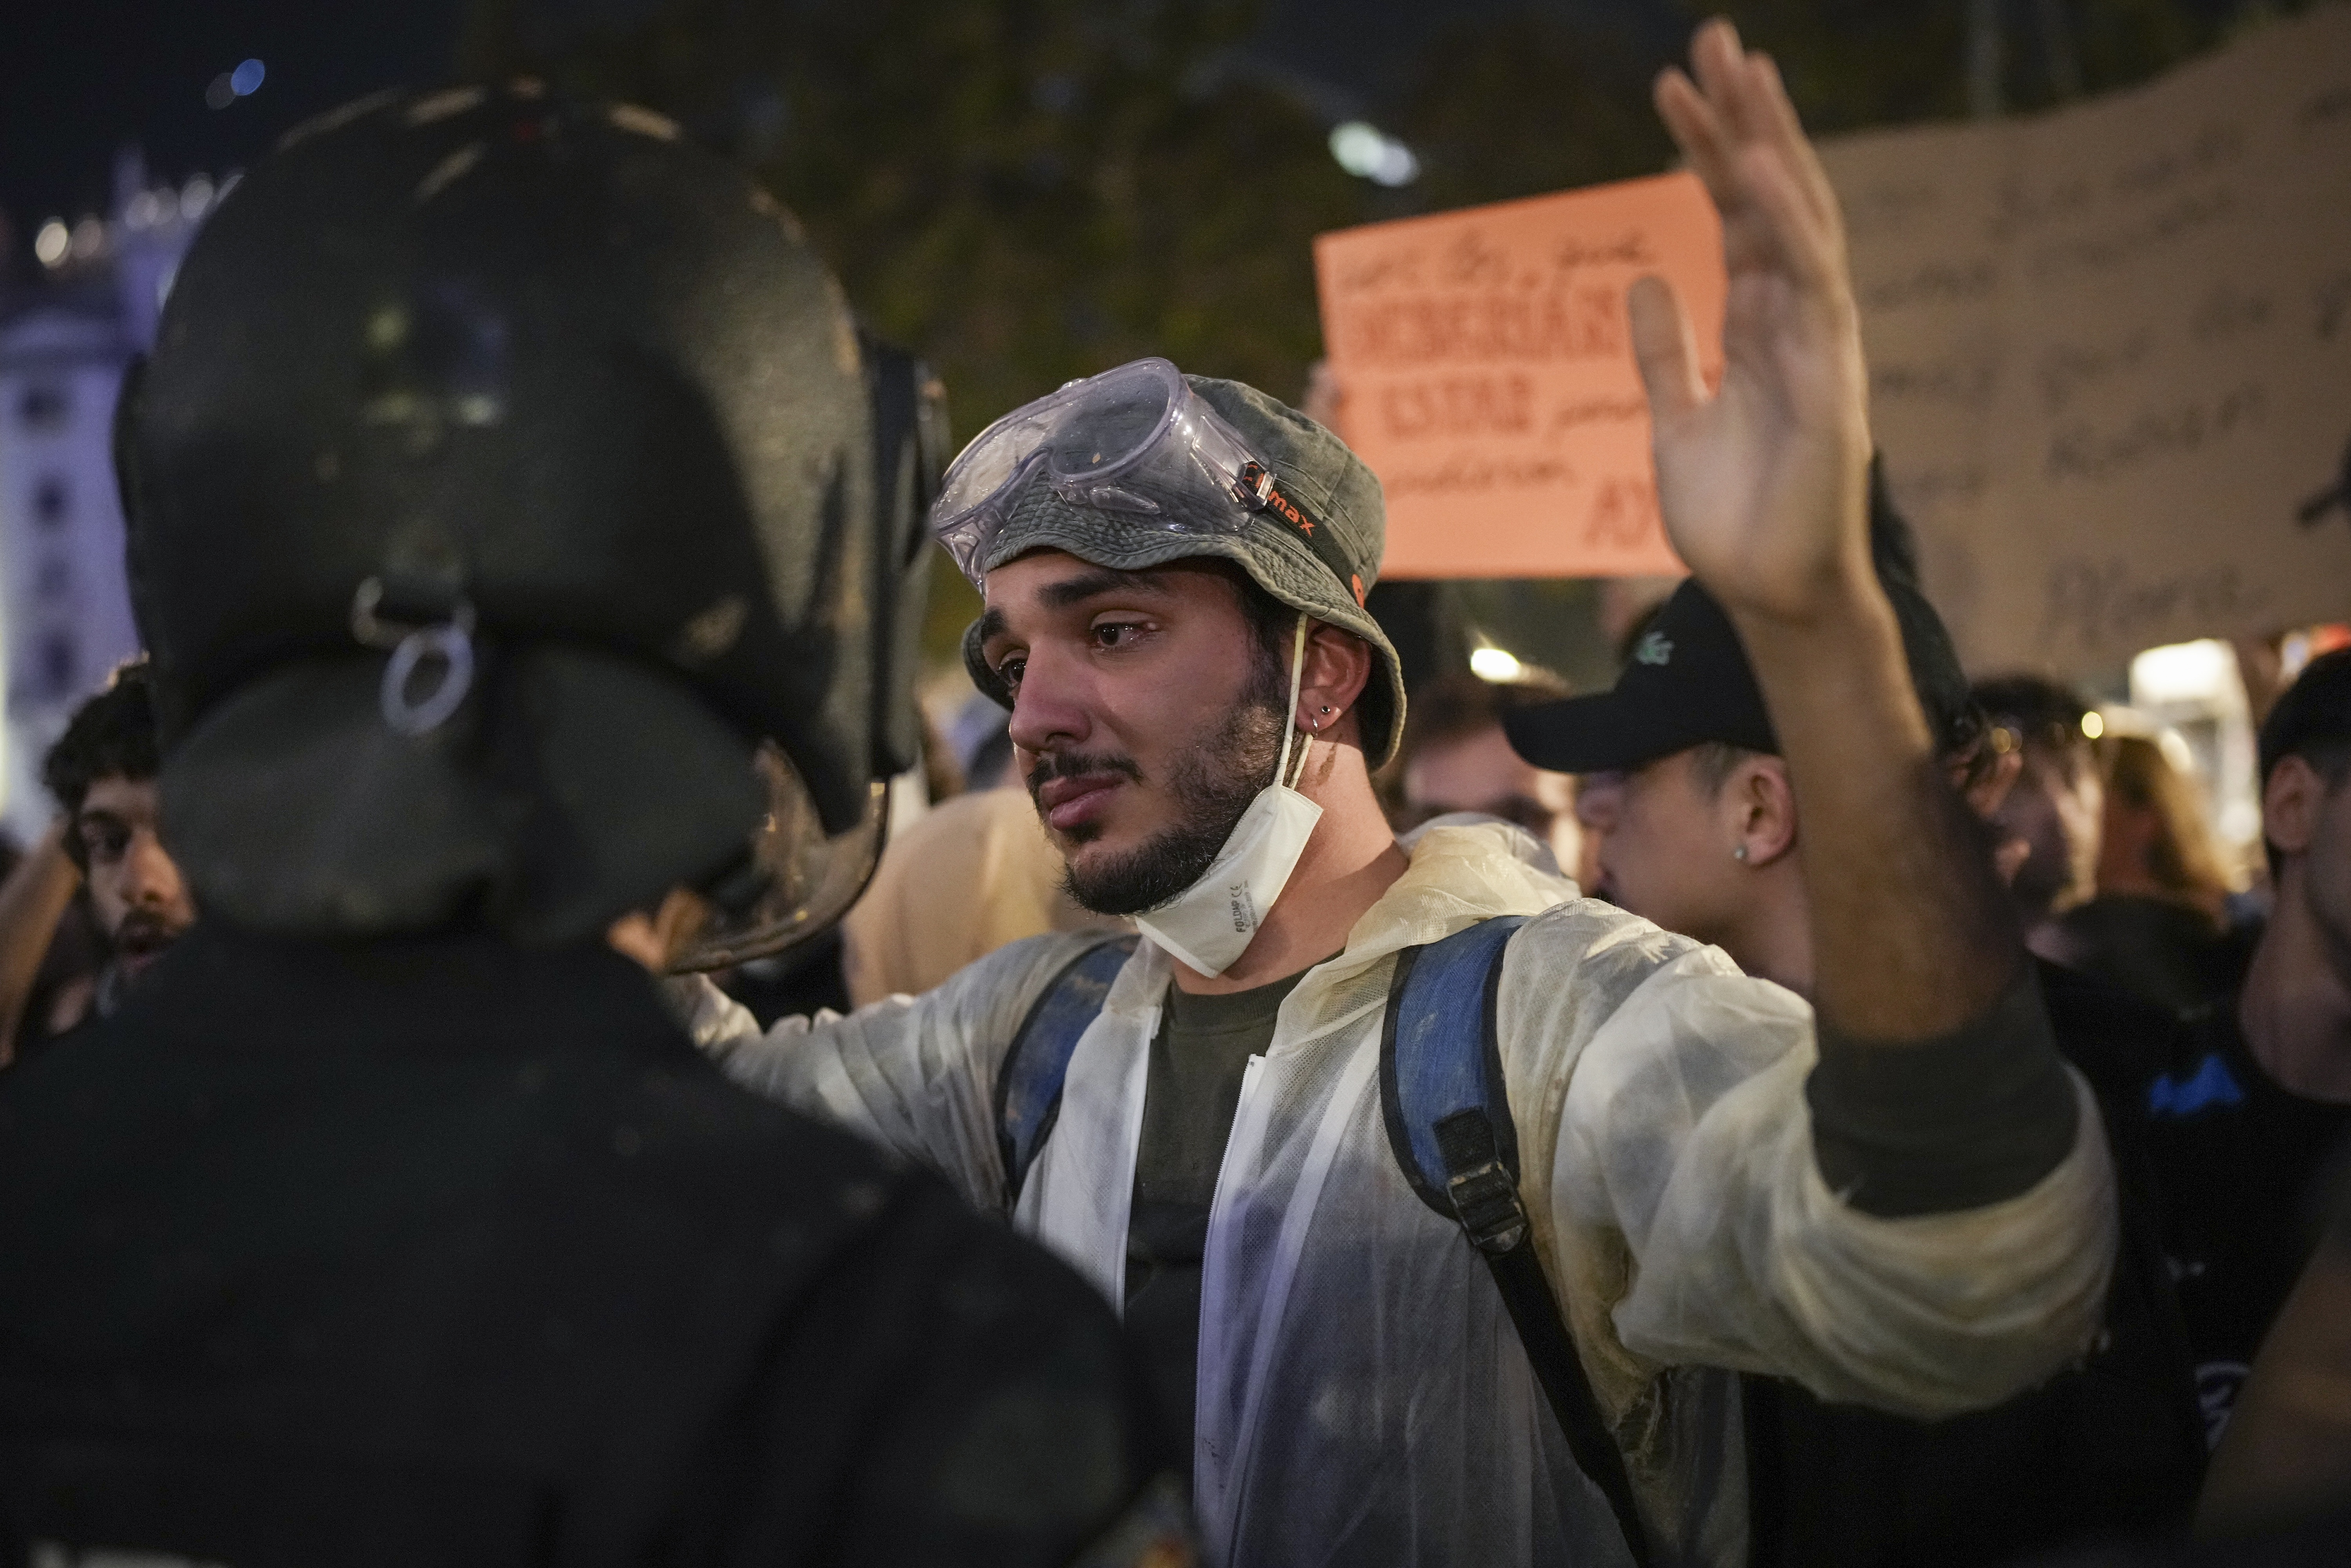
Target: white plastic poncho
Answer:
pixel 1363 1395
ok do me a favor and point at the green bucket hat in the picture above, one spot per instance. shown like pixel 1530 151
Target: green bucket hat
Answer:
pixel 1310 465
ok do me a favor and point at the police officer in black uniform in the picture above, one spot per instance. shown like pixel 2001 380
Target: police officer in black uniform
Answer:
pixel 522 538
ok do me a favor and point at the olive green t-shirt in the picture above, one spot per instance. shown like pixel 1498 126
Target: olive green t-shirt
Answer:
pixel 1193 1088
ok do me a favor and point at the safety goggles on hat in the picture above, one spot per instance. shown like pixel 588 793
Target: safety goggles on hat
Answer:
pixel 1136 442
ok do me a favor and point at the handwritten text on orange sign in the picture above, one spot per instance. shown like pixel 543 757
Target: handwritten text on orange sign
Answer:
pixel 1488 375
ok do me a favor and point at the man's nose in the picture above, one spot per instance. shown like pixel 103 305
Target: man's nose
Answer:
pixel 1049 713
pixel 150 874
pixel 1597 797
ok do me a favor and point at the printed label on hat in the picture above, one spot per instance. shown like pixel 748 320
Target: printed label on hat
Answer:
pixel 1656 648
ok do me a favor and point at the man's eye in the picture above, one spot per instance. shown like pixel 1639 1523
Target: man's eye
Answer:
pixel 1008 673
pixel 1114 634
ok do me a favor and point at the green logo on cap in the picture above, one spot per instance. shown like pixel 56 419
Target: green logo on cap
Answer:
pixel 1655 648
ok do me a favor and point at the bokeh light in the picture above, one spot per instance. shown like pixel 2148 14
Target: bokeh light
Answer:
pixel 1369 153
pixel 1494 664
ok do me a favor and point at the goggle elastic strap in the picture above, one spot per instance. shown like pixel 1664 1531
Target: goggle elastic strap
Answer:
pixel 1256 490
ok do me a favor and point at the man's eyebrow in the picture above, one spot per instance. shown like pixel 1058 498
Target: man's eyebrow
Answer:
pixel 1076 589
pixel 99 816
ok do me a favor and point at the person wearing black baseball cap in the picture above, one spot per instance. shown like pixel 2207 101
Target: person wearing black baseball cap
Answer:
pixel 1695 809
pixel 1173 571
pixel 1681 749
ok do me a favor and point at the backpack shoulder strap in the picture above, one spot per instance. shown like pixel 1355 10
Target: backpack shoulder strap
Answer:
pixel 1449 1122
pixel 1029 1083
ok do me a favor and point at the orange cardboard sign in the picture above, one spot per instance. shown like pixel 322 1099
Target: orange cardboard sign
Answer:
pixel 1485 368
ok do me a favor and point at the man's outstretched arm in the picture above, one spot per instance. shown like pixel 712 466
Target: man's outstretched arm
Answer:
pixel 1921 1217
pixel 1920 980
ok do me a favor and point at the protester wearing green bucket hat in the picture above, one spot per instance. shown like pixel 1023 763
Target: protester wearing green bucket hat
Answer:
pixel 1321 561
pixel 1442 1202
pixel 1185 518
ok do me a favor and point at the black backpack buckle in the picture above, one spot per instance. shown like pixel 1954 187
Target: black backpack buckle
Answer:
pixel 1486 1197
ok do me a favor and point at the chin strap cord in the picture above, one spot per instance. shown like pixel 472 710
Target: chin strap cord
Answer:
pixel 1281 773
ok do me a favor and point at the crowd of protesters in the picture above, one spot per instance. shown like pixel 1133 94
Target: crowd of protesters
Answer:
pixel 1795 1106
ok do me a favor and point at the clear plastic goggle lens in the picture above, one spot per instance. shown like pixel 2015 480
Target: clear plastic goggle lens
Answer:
pixel 1134 441
pixel 1102 435
pixel 1086 426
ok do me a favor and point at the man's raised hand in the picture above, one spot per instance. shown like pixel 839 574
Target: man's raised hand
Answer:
pixel 1762 483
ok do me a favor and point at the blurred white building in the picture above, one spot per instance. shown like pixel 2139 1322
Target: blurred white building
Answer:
pixel 65 341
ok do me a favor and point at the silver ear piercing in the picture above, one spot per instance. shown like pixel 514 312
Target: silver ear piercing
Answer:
pixel 1738 852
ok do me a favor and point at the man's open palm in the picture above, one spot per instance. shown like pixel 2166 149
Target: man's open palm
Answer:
pixel 1763 482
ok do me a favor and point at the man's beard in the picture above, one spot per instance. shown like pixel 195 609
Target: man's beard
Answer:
pixel 143 936
pixel 1212 784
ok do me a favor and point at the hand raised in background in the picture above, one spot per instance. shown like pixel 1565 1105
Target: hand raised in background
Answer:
pixel 1763 482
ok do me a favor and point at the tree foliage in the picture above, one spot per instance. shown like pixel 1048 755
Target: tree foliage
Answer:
pixel 1853 63
pixel 1027 191
pixel 1023 192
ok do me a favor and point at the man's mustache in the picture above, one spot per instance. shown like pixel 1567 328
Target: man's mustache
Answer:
pixel 1055 764
pixel 145 929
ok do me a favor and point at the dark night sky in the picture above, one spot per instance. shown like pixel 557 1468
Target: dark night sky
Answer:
pixel 80 78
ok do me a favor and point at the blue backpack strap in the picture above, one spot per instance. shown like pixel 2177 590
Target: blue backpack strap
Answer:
pixel 1029 1083
pixel 1449 1119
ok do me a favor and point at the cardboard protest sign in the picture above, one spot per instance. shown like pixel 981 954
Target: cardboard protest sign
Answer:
pixel 2110 353
pixel 2109 346
pixel 1489 378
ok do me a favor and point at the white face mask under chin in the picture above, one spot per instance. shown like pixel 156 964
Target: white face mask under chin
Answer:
pixel 1210 923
